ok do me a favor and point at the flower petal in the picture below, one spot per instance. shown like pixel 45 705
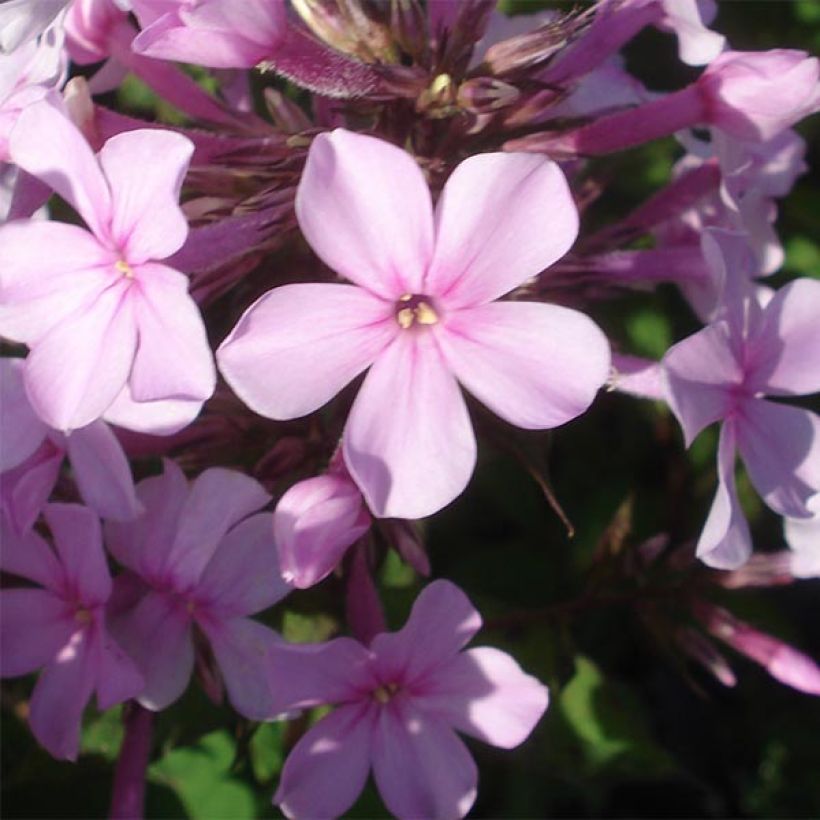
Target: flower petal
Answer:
pixel 408 443
pixel 501 219
pixel 143 545
pixel 787 347
pixel 29 556
pixel 26 488
pixel 78 540
pixel 145 169
pixel 725 542
pixel 484 693
pixel 37 295
pixel 34 626
pixel 157 635
pixel 173 358
pixel 74 373
pixel 421 768
pixel 299 345
pixel 217 501
pixel 241 647
pixel 102 472
pixel 118 678
pixel 441 622
pixel 780 446
pixel 21 431
pixel 49 146
pixel 328 767
pixel 537 366
pixel 243 576
pixel 364 207
pixel 159 418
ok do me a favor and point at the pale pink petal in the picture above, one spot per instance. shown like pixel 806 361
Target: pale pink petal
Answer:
pixel 408 443
pixel 441 622
pixel 49 146
pixel 102 472
pixel 60 696
pixel 484 693
pixel 145 169
pixel 36 294
pixel 315 522
pixel 26 488
pixel 295 348
pixel 34 626
pixel 421 768
pixel 173 359
pixel 29 556
pixel 118 678
pixel 501 219
pixel 159 418
pixel 74 373
pixel 78 540
pixel 725 542
pixel 780 447
pixel 243 576
pixel 535 365
pixel 699 373
pixel 787 348
pixel 241 647
pixel 364 207
pixel 143 545
pixel 304 675
pixel 328 767
pixel 157 635
pixel 21 431
pixel 218 499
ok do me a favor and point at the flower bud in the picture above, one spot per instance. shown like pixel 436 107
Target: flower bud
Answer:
pixel 314 523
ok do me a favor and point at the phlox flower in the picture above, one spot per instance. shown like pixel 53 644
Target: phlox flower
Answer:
pixel 62 627
pixel 31 455
pixel 398 704
pixel 725 373
pixel 200 562
pixel 21 21
pixel 111 332
pixel 422 314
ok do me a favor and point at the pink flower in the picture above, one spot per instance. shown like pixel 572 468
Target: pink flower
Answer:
pixel 398 704
pixel 205 563
pixel 803 536
pixel 421 314
pixel 314 523
pixel 723 373
pixel 21 21
pixel 31 455
pixel 214 33
pixel 111 332
pixel 62 627
pixel 755 95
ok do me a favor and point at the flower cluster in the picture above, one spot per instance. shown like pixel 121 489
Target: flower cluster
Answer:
pixel 298 326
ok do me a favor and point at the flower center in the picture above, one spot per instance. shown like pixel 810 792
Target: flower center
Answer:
pixel 415 309
pixel 82 616
pixel 383 693
pixel 124 268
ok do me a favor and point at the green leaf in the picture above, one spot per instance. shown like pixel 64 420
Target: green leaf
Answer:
pixel 266 751
pixel 103 734
pixel 649 333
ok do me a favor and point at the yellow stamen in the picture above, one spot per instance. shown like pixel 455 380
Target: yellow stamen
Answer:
pixel 383 693
pixel 124 268
pixel 425 315
pixel 405 317
pixel 82 616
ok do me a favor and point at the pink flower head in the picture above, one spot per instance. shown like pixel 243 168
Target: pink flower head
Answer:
pixel 398 703
pixel 31 455
pixel 111 332
pixel 422 314
pixel 724 372
pixel 314 523
pixel 214 33
pixel 755 95
pixel 62 627
pixel 205 563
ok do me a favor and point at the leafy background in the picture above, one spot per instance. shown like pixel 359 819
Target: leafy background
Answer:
pixel 632 731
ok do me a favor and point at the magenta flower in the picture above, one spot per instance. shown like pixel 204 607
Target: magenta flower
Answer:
pixel 62 627
pixel 205 563
pixel 723 373
pixel 31 455
pixel 111 332
pixel 315 522
pixel 421 314
pixel 398 704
